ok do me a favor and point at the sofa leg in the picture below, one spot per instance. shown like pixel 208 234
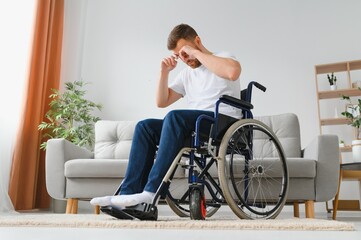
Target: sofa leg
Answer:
pixel 74 209
pixel 69 205
pixel 97 209
pixel 72 206
pixel 296 209
pixel 335 205
pixel 310 209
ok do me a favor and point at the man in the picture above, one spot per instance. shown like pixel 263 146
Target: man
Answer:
pixel 207 77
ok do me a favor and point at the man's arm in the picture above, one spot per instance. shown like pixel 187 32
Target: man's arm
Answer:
pixel 165 95
pixel 223 67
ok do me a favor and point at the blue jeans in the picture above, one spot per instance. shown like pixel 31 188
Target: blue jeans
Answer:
pixel 169 134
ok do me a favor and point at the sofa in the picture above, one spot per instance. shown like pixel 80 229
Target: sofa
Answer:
pixel 74 173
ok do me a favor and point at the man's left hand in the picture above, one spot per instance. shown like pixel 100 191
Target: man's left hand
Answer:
pixel 187 53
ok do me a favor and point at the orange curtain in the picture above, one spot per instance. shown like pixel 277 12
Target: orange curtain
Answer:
pixel 27 180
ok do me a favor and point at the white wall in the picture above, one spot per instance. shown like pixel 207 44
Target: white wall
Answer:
pixel 117 45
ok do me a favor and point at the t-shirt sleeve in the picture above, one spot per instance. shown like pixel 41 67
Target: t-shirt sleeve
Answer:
pixel 177 84
pixel 226 55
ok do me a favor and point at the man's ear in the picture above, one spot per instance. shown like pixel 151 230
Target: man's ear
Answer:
pixel 198 41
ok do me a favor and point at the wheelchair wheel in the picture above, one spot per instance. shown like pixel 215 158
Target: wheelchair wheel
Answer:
pixel 252 170
pixel 178 199
pixel 197 205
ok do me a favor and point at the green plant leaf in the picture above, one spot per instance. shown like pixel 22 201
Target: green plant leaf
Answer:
pixel 354 121
pixel 70 116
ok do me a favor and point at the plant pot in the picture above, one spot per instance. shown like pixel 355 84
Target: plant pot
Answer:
pixel 356 150
pixel 333 87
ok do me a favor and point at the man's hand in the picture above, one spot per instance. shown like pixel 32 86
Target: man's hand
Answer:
pixel 165 95
pixel 187 53
pixel 168 64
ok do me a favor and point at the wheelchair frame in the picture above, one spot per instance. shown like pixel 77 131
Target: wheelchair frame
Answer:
pixel 199 179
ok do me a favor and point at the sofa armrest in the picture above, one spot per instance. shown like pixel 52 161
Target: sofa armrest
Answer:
pixel 58 151
pixel 325 150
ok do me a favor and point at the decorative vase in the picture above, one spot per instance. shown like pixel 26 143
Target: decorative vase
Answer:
pixel 333 87
pixel 356 150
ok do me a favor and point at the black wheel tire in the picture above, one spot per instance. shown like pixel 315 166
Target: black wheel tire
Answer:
pixel 182 208
pixel 197 205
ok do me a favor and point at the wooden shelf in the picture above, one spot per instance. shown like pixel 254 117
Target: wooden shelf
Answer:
pixel 339 93
pixel 329 68
pixel 338 67
pixel 355 65
pixel 346 68
pixel 334 121
pixel 346 149
pixel 351 174
pixel 348 205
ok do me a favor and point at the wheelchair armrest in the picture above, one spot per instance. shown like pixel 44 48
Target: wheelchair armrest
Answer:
pixel 235 102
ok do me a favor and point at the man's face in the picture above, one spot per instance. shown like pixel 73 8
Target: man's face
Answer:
pixel 193 63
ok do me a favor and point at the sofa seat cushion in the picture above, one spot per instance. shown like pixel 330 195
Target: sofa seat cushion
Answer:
pixel 102 168
pixel 297 168
pixel 95 168
pixel 302 167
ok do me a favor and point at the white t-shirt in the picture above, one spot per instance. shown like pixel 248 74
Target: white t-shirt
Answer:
pixel 202 88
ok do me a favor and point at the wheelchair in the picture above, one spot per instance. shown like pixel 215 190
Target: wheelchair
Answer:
pixel 251 169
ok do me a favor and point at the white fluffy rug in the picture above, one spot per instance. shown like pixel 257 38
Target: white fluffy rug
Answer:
pixel 105 221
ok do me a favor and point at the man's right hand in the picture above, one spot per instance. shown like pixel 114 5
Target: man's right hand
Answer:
pixel 168 64
pixel 165 95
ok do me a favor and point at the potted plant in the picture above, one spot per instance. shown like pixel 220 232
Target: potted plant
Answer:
pixel 70 116
pixel 332 80
pixel 352 113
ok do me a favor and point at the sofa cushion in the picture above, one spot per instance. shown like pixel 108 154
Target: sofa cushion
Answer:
pixel 287 129
pixel 95 168
pixel 102 168
pixel 113 139
pixel 302 167
pixel 297 168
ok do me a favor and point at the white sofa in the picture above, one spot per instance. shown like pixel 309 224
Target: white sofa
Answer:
pixel 74 173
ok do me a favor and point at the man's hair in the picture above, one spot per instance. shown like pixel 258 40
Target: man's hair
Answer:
pixel 182 31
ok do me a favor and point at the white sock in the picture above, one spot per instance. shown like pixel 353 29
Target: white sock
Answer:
pixel 131 200
pixel 101 201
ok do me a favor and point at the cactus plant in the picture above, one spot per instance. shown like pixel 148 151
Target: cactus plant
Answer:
pixel 332 79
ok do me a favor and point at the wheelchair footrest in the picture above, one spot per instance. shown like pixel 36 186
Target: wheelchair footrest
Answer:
pixel 117 213
pixel 142 211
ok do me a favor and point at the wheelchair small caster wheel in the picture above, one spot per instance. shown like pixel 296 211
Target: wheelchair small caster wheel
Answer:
pixel 197 206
